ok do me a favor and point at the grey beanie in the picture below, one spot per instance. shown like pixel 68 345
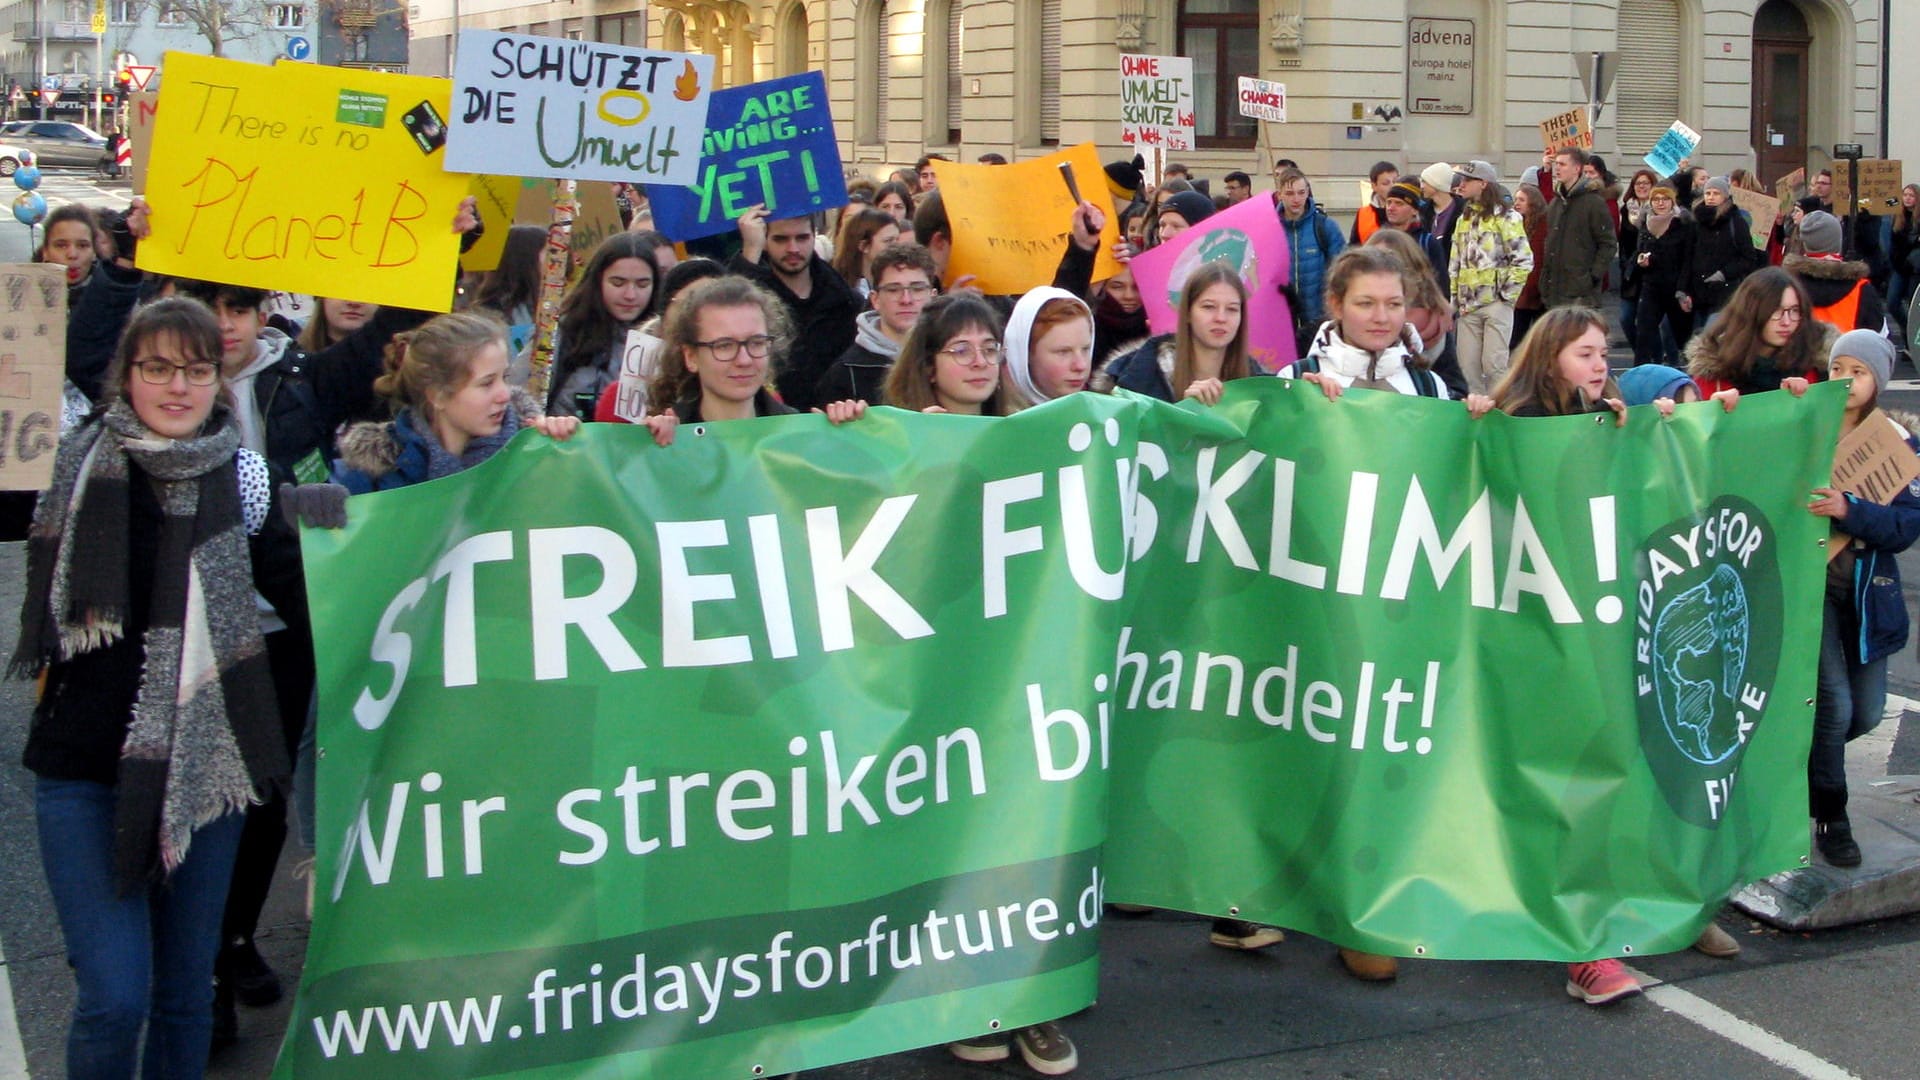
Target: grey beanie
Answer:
pixel 1820 233
pixel 1721 185
pixel 1871 349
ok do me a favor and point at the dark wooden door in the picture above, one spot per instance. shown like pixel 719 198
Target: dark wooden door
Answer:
pixel 1779 106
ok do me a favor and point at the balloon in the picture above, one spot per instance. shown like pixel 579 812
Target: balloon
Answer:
pixel 30 208
pixel 26 177
pixel 28 157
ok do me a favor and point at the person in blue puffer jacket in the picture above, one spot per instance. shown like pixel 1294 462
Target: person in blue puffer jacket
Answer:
pixel 1866 616
pixel 1313 242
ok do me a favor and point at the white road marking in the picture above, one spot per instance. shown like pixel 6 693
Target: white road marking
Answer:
pixel 13 1055
pixel 1720 1022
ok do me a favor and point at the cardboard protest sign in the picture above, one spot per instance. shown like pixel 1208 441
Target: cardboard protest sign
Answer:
pixel 1879 184
pixel 596 218
pixel 1012 223
pixel 1675 146
pixel 768 142
pixel 303 178
pixel 33 369
pixel 1762 212
pixel 1570 128
pixel 140 110
pixel 579 110
pixel 496 197
pixel 639 363
pixel 1874 462
pixel 1249 237
pixel 535 204
pixel 1156 101
pixel 1263 100
pixel 1787 187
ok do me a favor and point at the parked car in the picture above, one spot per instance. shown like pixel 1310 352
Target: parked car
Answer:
pixel 61 142
pixel 9 158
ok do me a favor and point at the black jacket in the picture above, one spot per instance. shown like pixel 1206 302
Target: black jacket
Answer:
pixel 97 310
pixel 1828 281
pixel 304 399
pixel 1722 244
pixel 822 325
pixel 1670 258
pixel 860 374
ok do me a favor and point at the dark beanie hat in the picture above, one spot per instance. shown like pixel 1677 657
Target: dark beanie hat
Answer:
pixel 1123 177
pixel 1191 205
pixel 1406 191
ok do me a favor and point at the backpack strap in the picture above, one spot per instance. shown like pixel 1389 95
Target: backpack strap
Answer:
pixel 1424 383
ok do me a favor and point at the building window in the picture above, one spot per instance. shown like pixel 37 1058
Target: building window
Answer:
pixel 170 16
pixel 124 12
pixel 673 33
pixel 76 11
pixel 872 82
pixel 287 16
pixel 573 29
pixel 792 42
pixel 1647 86
pixel 628 29
pixel 946 63
pixel 1223 39
pixel 1050 72
pixel 78 62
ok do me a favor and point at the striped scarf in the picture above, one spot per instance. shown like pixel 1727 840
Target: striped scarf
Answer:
pixel 204 737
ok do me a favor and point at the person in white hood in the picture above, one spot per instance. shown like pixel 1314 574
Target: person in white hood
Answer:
pixel 1049 346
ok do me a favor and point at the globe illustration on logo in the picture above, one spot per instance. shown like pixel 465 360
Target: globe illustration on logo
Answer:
pixel 1230 246
pixel 1698 660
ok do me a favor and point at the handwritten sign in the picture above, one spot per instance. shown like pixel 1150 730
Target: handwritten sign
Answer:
pixel 33 368
pixel 1011 223
pixel 140 110
pixel 495 197
pixel 256 179
pixel 1879 184
pixel 1873 462
pixel 768 142
pixel 1263 100
pixel 596 218
pixel 1675 146
pixel 1156 101
pixel 1570 128
pixel 639 363
pixel 576 110
pixel 1250 238
pixel 1762 212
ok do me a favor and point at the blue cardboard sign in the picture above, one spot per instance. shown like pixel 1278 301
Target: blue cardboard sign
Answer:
pixel 767 142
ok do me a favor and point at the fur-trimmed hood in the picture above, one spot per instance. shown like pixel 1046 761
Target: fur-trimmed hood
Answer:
pixel 373 447
pixel 1806 266
pixel 1702 365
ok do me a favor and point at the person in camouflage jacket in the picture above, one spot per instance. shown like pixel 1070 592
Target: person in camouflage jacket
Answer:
pixel 1488 267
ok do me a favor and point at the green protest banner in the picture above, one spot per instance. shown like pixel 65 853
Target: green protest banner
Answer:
pixel 1491 689
pixel 792 744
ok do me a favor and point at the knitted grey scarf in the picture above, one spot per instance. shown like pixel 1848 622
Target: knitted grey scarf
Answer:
pixel 204 734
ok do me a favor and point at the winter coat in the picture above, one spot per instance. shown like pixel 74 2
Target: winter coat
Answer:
pixel 1580 246
pixel 1313 242
pixel 1438 243
pixel 1878 626
pixel 822 324
pixel 1491 260
pixel 1627 234
pixel 1145 370
pixel 1400 365
pixel 563 397
pixel 1530 292
pixel 97 310
pixel 1904 247
pixel 1829 281
pixel 1113 327
pixel 1670 258
pixel 861 372
pixel 1722 245
pixel 764 404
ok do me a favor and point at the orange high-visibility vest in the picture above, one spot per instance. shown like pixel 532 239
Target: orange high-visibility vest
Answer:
pixel 1843 314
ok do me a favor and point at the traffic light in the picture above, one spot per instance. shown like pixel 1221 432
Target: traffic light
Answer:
pixel 124 80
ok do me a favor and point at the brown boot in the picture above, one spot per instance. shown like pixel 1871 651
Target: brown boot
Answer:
pixel 1716 942
pixel 1368 967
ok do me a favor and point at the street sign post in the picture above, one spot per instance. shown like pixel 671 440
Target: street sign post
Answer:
pixel 139 75
pixel 299 48
pixel 1596 77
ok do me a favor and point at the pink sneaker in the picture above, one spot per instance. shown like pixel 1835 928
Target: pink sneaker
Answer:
pixel 1597 982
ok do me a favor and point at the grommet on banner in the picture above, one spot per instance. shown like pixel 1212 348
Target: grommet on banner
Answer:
pixel 993 1025
pixel 699 430
pixel 759 1070
pixel 1234 910
pixel 1419 950
pixel 1626 950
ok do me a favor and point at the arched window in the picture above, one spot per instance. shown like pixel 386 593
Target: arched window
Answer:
pixel 871 79
pixel 946 67
pixel 793 39
pixel 673 33
pixel 1223 39
pixel 1647 86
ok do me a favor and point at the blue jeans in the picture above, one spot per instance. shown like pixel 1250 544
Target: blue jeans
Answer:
pixel 1847 705
pixel 141 959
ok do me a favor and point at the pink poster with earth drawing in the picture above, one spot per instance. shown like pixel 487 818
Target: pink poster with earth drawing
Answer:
pixel 1247 236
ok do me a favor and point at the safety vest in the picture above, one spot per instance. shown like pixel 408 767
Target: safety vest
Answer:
pixel 1843 314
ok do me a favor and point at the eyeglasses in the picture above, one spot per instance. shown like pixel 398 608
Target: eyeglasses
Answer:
pixel 896 291
pixel 1786 314
pixel 161 372
pixel 965 352
pixel 726 348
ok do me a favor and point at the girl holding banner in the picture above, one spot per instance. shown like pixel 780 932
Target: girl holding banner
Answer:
pixel 1049 346
pixel 1207 349
pixel 951 360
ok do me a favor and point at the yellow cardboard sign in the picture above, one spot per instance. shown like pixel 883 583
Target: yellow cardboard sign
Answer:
pixel 495 196
pixel 304 178
pixel 33 364
pixel 1012 223
pixel 1570 128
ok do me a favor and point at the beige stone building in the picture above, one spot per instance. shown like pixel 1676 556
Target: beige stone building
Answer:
pixel 1772 83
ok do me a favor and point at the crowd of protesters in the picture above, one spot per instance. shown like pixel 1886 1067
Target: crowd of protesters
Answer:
pixel 202 425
